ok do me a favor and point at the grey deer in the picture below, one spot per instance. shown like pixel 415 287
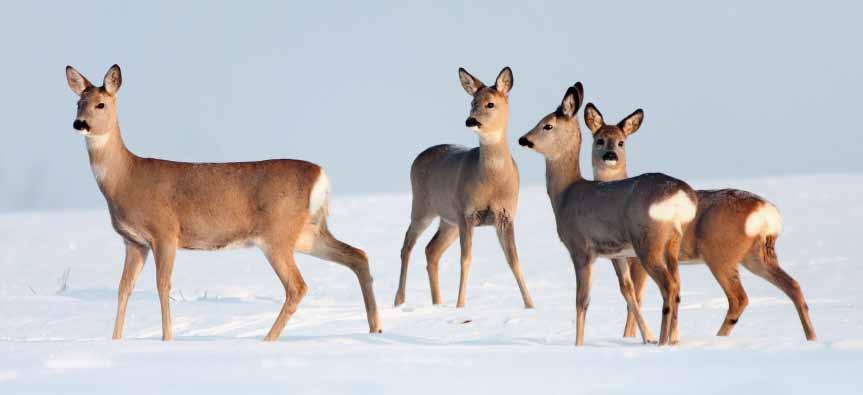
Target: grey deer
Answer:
pixel 644 216
pixel 465 188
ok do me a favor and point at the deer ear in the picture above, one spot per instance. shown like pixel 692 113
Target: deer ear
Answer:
pixel 113 80
pixel 77 82
pixel 470 83
pixel 503 83
pixel 571 100
pixel 593 118
pixel 630 124
pixel 579 89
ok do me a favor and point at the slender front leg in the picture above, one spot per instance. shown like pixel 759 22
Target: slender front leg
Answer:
pixel 622 268
pixel 639 280
pixel 465 230
pixel 582 298
pixel 282 261
pixel 506 236
pixel 135 257
pixel 164 253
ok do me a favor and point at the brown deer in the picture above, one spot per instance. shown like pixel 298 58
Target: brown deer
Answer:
pixel 644 216
pixel 731 226
pixel 280 206
pixel 467 188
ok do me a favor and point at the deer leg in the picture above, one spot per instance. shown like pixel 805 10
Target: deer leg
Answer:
pixel 443 238
pixel 465 233
pixel 135 257
pixel 419 223
pixel 728 277
pixel 164 253
pixel 582 296
pixel 657 270
pixel 327 247
pixel 506 237
pixel 771 271
pixel 282 261
pixel 671 252
pixel 639 279
pixel 623 269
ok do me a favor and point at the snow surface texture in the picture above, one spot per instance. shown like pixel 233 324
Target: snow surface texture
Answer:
pixel 59 274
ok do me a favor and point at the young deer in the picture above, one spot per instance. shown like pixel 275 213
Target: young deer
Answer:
pixel 730 227
pixel 644 216
pixel 280 206
pixel 467 188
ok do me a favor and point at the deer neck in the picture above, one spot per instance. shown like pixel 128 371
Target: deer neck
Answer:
pixel 110 161
pixel 494 153
pixel 561 172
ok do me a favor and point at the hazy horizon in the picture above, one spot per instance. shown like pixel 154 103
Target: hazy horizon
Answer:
pixel 729 90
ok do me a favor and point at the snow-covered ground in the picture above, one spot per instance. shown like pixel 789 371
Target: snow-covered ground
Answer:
pixel 59 273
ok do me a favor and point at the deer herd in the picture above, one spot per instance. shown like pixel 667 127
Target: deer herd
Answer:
pixel 646 225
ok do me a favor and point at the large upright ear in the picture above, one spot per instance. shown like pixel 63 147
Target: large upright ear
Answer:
pixel 470 83
pixel 593 118
pixel 571 100
pixel 113 80
pixel 630 124
pixel 503 83
pixel 76 81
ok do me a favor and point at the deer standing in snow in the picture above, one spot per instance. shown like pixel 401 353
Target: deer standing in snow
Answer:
pixel 156 205
pixel 643 216
pixel 467 187
pixel 731 226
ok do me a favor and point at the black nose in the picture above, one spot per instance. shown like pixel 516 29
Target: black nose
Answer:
pixel 471 122
pixel 610 155
pixel 80 125
pixel 524 142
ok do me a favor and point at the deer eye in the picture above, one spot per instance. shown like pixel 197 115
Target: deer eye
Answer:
pixel 100 106
pixel 620 143
pixel 600 142
pixel 489 105
pixel 547 127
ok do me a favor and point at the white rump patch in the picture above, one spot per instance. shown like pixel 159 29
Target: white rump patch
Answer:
pixel 320 193
pixel 764 221
pixel 610 162
pixel 678 209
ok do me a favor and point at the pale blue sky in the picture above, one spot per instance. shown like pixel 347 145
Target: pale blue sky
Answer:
pixel 729 89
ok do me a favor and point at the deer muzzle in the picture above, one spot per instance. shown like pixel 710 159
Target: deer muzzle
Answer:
pixel 80 125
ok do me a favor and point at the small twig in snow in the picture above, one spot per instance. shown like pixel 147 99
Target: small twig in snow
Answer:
pixel 32 290
pixel 63 281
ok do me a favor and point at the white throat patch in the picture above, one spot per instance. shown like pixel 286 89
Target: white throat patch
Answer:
pixel 96 141
pixel 489 137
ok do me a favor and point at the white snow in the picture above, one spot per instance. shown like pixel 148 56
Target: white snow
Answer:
pixel 224 302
